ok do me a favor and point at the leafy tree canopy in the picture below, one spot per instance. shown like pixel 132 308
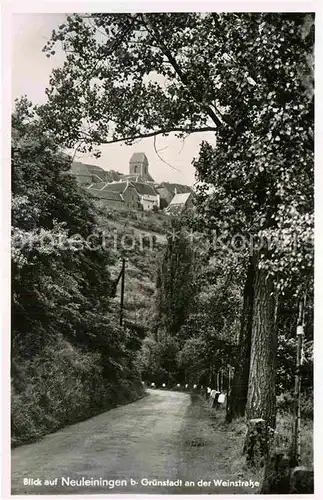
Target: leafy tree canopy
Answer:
pixel 138 75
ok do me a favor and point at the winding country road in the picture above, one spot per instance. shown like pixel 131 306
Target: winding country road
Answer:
pixel 164 436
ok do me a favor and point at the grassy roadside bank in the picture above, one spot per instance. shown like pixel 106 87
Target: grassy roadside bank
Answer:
pixel 232 436
pixel 63 386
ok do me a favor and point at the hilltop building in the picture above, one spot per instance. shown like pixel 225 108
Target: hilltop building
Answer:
pixel 168 190
pixel 133 191
pixel 148 196
pixel 106 198
pixel 179 204
pixel 135 195
pixel 87 174
pixel 120 195
pixel 138 165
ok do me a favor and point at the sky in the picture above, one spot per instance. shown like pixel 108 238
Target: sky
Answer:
pixel 31 70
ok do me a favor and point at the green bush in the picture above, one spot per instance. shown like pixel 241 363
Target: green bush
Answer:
pixel 284 435
pixel 69 355
pixel 65 385
pixel 285 404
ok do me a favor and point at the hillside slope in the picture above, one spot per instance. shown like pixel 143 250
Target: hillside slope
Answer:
pixel 139 237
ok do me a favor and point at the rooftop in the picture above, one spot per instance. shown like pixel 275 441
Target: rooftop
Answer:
pixel 143 188
pixel 178 188
pixel 117 187
pixel 98 173
pixel 180 199
pixel 97 185
pixel 138 178
pixel 105 195
pixel 139 157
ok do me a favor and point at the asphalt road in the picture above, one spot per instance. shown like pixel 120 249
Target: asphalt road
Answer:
pixel 162 437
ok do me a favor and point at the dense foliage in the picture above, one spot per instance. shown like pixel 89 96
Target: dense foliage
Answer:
pixel 196 320
pixel 68 351
pixel 210 332
pixel 176 281
pixel 262 174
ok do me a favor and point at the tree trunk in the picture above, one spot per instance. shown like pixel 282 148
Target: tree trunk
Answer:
pixel 239 387
pixel 261 400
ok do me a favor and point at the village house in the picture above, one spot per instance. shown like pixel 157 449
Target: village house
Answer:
pixel 134 195
pixel 127 198
pixel 136 189
pixel 148 196
pixel 107 198
pixel 168 190
pixel 87 174
pixel 181 202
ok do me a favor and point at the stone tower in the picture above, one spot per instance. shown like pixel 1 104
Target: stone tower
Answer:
pixel 138 165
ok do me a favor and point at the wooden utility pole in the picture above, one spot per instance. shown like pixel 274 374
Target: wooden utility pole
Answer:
pixel 229 379
pixel 228 388
pixel 296 443
pixel 122 290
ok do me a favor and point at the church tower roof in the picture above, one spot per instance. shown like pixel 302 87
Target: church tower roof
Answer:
pixel 138 166
pixel 138 158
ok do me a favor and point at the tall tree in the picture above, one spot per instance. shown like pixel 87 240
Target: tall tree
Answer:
pixel 247 77
pixel 239 390
pixel 176 281
pixel 210 330
pixel 158 65
pixel 263 179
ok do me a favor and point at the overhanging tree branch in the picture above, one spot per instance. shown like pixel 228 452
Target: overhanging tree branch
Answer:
pixel 150 134
pixel 183 78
